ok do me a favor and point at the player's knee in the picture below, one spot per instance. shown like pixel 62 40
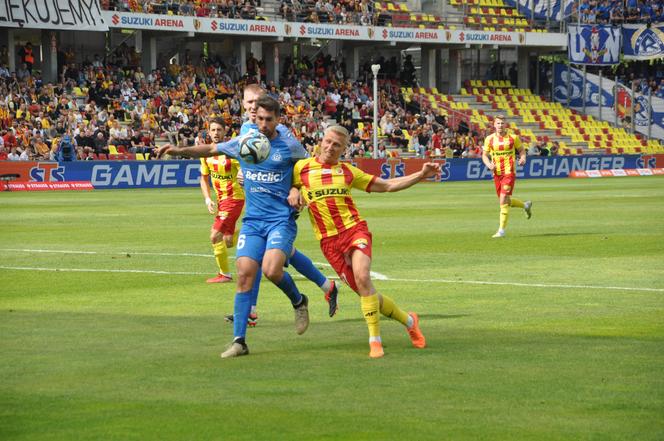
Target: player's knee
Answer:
pixel 363 282
pixel 229 241
pixel 245 279
pixel 216 237
pixel 273 272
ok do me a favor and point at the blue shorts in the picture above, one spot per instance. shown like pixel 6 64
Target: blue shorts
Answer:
pixel 256 237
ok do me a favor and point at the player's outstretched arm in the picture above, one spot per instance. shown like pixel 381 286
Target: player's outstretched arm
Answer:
pixel 429 170
pixel 197 151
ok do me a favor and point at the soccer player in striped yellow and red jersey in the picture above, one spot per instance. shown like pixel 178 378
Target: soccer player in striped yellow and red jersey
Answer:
pixel 227 207
pixel 325 187
pixel 503 147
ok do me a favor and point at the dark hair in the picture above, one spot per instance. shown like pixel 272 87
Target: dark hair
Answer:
pixel 217 120
pixel 269 104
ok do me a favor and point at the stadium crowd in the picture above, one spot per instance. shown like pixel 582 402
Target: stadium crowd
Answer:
pixel 237 9
pixel 619 11
pixel 104 108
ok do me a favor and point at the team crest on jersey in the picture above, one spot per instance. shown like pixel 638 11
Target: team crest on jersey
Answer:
pixel 339 171
pixel 276 157
pixel 361 243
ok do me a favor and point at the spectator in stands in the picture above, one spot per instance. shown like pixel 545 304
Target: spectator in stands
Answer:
pixel 186 135
pixel 533 150
pixel 40 147
pixel 27 56
pixel 100 143
pixel 14 154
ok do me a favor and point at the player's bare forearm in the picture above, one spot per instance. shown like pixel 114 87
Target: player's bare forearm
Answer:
pixel 487 162
pixel 429 170
pixel 205 189
pixel 522 157
pixel 295 199
pixel 197 151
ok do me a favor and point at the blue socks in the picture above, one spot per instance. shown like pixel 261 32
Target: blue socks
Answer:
pixel 241 313
pixel 254 288
pixel 306 267
pixel 288 287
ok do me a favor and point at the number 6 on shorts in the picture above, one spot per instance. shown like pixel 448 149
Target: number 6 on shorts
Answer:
pixel 240 241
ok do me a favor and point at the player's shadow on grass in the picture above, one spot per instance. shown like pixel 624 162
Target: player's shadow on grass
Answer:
pixel 422 316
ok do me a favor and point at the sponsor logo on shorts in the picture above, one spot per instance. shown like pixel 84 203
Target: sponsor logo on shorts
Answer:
pixel 361 243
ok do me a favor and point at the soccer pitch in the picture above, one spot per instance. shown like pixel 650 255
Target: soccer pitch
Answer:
pixel 109 331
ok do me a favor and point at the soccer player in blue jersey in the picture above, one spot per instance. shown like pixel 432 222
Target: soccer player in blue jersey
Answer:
pixel 298 260
pixel 269 228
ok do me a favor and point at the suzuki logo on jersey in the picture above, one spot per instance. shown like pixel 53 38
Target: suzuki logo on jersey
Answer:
pixel 646 161
pixel 47 172
pixel 264 177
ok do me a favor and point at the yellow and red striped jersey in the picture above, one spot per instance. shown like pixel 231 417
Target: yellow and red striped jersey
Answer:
pixel 223 172
pixel 327 191
pixel 502 150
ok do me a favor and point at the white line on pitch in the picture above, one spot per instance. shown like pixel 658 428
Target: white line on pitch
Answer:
pixel 467 282
pixel 527 285
pixel 100 270
pixel 375 275
pixel 19 250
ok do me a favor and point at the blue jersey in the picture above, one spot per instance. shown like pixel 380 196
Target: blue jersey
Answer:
pixel 266 185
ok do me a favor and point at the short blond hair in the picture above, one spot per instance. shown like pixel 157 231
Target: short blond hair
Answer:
pixel 339 130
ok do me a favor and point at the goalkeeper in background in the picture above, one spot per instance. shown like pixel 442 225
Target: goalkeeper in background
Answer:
pixel 503 147
pixel 227 206
pixel 325 187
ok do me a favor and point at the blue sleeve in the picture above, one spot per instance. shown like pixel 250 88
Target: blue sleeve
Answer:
pixel 246 126
pixel 230 148
pixel 296 149
pixel 284 131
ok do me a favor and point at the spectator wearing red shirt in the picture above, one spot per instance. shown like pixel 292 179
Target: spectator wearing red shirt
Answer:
pixel 10 139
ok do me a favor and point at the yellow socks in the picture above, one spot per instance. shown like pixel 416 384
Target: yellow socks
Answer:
pixel 504 215
pixel 221 256
pixel 391 310
pixel 370 306
pixel 516 203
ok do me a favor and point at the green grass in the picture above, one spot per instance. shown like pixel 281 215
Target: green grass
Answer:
pixel 135 356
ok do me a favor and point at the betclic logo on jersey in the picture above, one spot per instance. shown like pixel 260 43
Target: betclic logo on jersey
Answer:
pixel 263 177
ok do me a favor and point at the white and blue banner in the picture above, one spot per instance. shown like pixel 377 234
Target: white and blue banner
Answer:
pixel 642 42
pixel 555 10
pixel 562 75
pixel 594 45
pixel 641 121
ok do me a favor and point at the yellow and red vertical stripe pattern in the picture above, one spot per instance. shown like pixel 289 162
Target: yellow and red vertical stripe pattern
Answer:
pixel 502 150
pixel 223 173
pixel 327 191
